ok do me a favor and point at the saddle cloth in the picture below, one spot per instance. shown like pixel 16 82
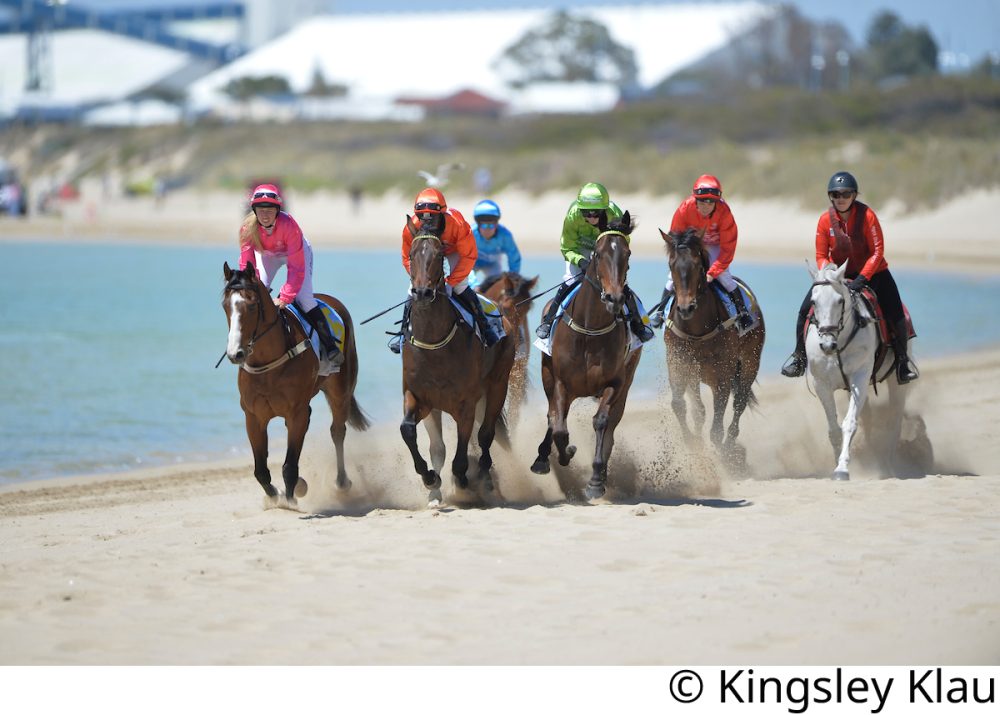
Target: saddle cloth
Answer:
pixel 491 309
pixel 337 328
pixel 749 299
pixel 545 344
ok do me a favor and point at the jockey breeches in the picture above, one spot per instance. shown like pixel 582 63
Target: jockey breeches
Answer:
pixel 884 286
pixel 268 265
pixel 725 278
pixel 453 259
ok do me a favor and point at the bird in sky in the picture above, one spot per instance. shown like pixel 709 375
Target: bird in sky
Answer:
pixel 440 177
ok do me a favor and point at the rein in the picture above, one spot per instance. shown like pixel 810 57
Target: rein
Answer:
pixel 454 326
pixel 615 320
pixel 285 357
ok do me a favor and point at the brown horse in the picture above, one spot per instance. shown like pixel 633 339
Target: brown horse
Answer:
pixel 447 368
pixel 702 346
pixel 591 356
pixel 508 290
pixel 279 375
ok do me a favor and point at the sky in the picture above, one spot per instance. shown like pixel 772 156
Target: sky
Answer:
pixel 969 29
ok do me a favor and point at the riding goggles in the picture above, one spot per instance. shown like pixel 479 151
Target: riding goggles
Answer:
pixel 708 192
pixel 841 194
pixel 265 195
pixel 436 208
pixel 487 224
pixel 591 213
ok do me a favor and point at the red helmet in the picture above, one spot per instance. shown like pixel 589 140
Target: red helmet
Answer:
pixel 707 186
pixel 266 195
pixel 429 201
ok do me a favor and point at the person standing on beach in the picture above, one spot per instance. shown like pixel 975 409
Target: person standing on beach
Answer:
pixel 269 239
pixel 850 231
pixel 705 209
pixel 493 242
pixel 579 234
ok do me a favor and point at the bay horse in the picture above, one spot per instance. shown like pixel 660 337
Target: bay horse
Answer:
pixel 704 347
pixel 446 367
pixel 511 292
pixel 841 344
pixel 591 356
pixel 279 375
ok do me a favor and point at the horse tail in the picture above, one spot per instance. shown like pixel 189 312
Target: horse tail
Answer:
pixel 356 416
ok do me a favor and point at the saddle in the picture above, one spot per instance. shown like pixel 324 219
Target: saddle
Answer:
pixel 337 329
pixel 874 313
pixel 562 314
pixel 491 309
pixel 748 298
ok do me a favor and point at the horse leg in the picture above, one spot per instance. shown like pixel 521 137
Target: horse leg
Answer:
pixel 541 463
pixel 436 434
pixel 257 434
pixel 720 398
pixel 412 414
pixel 558 411
pixel 595 487
pixel 496 394
pixel 833 431
pixel 897 403
pixel 340 406
pixel 297 425
pixel 465 419
pixel 856 402
pixel 678 389
pixel 741 398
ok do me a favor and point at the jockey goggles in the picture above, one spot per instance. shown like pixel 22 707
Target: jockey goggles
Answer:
pixel 841 194
pixel 423 207
pixel 265 195
pixel 487 224
pixel 592 213
pixel 707 193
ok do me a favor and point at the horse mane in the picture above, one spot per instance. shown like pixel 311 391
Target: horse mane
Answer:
pixel 626 224
pixel 691 239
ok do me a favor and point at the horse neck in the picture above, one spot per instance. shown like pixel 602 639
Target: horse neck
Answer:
pixel 271 344
pixel 705 318
pixel 426 316
pixel 588 303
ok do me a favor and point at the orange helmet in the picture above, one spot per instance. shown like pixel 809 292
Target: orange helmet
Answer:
pixel 707 186
pixel 429 201
pixel 266 194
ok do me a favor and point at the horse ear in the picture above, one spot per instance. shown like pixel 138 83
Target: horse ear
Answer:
pixel 532 283
pixel 227 272
pixel 841 270
pixel 813 271
pixel 668 239
pixel 626 220
pixel 411 226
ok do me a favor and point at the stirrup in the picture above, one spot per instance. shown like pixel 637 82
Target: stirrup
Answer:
pixel 395 343
pixel 656 319
pixel 795 366
pixel 642 331
pixel 905 373
pixel 544 330
pixel 744 320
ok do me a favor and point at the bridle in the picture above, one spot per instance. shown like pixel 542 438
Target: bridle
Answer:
pixel 301 347
pixel 438 288
pixel 834 331
pixel 596 285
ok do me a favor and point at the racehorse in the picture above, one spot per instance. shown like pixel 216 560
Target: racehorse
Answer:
pixel 446 367
pixel 841 344
pixel 703 345
pixel 279 375
pixel 591 356
pixel 511 292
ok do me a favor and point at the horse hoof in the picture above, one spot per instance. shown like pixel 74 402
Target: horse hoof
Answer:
pixel 488 483
pixel 841 477
pixel 462 482
pixel 272 501
pixel 301 488
pixel 432 481
pixel 541 466
pixel 434 499
pixel 343 485
pixel 594 492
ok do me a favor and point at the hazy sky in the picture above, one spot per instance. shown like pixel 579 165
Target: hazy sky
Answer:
pixel 971 27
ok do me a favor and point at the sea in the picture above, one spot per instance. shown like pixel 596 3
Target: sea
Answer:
pixel 109 352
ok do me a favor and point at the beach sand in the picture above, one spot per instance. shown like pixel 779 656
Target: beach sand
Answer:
pixel 687 562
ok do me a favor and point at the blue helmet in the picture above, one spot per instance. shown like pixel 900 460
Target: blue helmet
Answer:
pixel 486 208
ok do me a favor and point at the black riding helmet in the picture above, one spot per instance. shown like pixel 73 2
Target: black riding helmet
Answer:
pixel 842 180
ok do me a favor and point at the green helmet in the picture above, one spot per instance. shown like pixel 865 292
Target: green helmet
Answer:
pixel 593 196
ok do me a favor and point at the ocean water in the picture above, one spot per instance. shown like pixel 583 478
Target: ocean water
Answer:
pixel 108 351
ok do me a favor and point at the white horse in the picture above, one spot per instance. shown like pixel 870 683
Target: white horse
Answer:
pixel 840 347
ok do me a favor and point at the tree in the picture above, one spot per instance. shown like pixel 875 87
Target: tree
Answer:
pixel 244 88
pixel 896 50
pixel 567 49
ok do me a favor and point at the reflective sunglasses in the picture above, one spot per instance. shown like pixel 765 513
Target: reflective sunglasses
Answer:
pixel 426 207
pixel 707 191
pixel 704 201
pixel 592 213
pixel 841 194
pixel 265 195
pixel 487 224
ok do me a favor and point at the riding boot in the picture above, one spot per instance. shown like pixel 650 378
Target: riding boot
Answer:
pixel 905 370
pixel 795 365
pixel 396 342
pixel 470 299
pixel 322 328
pixel 641 330
pixel 545 328
pixel 656 317
pixel 743 318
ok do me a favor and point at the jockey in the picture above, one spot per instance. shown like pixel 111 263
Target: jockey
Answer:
pixel 851 231
pixel 493 241
pixel 432 213
pixel 706 209
pixel 579 234
pixel 270 238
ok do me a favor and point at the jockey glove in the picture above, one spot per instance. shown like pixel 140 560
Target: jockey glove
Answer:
pixel 858 283
pixel 584 262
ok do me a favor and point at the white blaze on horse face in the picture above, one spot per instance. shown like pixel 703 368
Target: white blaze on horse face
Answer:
pixel 235 328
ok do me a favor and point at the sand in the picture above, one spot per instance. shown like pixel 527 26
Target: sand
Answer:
pixel 687 562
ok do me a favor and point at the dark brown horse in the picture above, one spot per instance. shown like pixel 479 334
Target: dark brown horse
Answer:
pixel 279 375
pixel 508 290
pixel 591 356
pixel 703 346
pixel 447 368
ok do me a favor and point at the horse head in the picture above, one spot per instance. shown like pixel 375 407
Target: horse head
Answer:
pixel 830 298
pixel 426 262
pixel 610 261
pixel 249 311
pixel 688 260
